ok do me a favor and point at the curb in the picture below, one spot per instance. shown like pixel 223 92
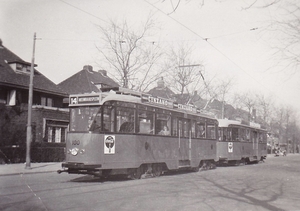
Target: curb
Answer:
pixel 20 173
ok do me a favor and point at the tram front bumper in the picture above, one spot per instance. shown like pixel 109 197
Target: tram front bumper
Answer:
pixel 80 168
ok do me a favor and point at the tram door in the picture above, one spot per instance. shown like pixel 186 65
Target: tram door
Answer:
pixel 255 143
pixel 184 143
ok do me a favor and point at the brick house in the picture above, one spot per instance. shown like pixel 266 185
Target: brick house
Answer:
pixel 49 118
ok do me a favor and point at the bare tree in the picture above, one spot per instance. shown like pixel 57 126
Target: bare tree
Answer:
pixel 285 31
pixel 245 101
pixel 184 73
pixel 223 90
pixel 127 52
pixel 264 107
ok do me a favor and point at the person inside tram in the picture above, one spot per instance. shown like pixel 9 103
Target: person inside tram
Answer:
pixel 95 126
pixel 201 133
pixel 165 131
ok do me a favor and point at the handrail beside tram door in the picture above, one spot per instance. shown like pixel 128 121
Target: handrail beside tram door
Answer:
pixel 190 146
pixel 255 146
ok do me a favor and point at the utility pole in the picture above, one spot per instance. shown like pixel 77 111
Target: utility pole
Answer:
pixel 29 128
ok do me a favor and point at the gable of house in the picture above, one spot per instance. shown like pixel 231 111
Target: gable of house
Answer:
pixel 15 73
pixel 87 81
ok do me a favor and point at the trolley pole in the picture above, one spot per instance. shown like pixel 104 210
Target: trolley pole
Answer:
pixel 29 128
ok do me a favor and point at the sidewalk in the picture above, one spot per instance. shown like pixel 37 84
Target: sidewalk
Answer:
pixel 19 168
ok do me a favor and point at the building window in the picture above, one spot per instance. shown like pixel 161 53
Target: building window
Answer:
pixel 43 101
pixel 49 102
pixel 55 131
pixel 56 134
pixel 11 98
pixel 19 66
pixel 46 101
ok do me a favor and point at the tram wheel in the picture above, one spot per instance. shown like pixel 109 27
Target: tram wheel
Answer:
pixel 136 173
pixel 157 170
pixel 243 162
pixel 195 169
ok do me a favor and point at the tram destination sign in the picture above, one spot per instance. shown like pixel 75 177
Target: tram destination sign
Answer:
pixel 91 99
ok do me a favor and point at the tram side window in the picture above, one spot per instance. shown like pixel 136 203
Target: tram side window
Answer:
pixel 235 134
pixel 223 134
pixel 186 128
pixel 242 134
pixel 146 123
pixel 265 138
pixel 247 135
pixel 163 124
pixel 229 134
pixel 262 138
pixel 211 131
pixel 174 125
pixel 125 119
pixel 180 128
pixel 193 129
pixel 254 136
pixel 183 127
pixel 201 130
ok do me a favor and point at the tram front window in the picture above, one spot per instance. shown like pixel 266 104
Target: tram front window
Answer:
pixel 82 117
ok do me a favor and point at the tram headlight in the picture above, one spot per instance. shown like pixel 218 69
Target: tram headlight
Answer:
pixel 74 151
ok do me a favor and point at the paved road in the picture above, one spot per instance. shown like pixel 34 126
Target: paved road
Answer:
pixel 273 185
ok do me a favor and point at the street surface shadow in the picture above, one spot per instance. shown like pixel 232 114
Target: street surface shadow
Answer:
pixel 91 179
pixel 120 178
pixel 243 195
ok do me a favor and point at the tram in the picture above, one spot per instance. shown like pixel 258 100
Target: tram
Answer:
pixel 241 142
pixel 122 132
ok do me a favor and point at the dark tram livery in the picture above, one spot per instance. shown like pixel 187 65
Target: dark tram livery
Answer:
pixel 120 131
pixel 241 142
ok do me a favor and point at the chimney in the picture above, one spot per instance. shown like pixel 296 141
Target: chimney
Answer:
pixel 88 68
pixel 161 83
pixel 103 72
pixel 1 44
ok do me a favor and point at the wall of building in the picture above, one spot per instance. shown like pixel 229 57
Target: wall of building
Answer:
pixel 13 127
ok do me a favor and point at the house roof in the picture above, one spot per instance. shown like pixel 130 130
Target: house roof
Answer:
pixel 161 90
pixel 164 92
pixel 10 78
pixel 87 81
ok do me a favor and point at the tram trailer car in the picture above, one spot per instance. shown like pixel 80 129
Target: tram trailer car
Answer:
pixel 241 142
pixel 122 132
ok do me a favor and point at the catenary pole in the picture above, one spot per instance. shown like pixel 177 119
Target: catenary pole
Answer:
pixel 30 97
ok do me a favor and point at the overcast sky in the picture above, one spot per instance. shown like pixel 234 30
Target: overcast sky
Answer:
pixel 221 32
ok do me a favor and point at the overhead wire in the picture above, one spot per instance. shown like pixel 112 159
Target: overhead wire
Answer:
pixel 206 40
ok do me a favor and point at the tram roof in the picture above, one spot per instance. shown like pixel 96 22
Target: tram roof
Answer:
pixel 228 123
pixel 155 102
pixel 131 96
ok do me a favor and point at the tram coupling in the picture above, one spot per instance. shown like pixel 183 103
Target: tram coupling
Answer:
pixel 61 171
